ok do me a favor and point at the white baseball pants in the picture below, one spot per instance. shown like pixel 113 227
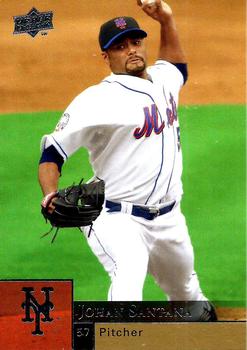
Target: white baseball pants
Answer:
pixel 129 247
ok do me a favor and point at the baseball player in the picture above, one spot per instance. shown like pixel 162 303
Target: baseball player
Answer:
pixel 129 124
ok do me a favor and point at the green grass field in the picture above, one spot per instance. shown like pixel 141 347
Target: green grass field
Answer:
pixel 213 142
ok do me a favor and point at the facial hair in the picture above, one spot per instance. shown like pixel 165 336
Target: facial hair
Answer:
pixel 137 67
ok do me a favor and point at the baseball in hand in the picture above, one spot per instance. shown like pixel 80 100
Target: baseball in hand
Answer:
pixel 148 2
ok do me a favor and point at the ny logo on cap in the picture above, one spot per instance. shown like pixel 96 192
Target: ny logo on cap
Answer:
pixel 120 23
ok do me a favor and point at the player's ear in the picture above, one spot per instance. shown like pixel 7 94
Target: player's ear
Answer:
pixel 105 56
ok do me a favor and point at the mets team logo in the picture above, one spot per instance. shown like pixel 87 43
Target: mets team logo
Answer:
pixel 120 23
pixel 152 122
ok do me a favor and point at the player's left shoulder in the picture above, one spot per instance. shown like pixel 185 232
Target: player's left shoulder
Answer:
pixel 176 72
pixel 162 65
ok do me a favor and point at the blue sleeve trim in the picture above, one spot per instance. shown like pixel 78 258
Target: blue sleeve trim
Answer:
pixel 50 154
pixel 60 147
pixel 183 68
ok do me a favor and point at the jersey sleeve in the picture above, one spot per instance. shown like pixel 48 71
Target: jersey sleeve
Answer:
pixel 70 132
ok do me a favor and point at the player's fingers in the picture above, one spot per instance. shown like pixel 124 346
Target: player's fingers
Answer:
pixel 145 3
pixel 150 6
pixel 47 201
pixel 150 9
pixel 51 208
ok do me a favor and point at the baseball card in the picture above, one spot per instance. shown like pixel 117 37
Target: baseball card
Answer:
pixel 123 157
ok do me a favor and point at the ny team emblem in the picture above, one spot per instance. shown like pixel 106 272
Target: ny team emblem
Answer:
pixel 120 23
pixel 31 305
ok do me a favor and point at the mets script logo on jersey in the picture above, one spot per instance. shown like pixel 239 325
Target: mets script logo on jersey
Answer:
pixel 153 120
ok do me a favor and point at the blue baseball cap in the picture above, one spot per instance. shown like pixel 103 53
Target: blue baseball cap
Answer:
pixel 117 28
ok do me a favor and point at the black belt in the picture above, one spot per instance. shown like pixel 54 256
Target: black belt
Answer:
pixel 148 213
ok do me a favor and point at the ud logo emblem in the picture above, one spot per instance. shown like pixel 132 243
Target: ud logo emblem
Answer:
pixel 33 22
pixel 31 305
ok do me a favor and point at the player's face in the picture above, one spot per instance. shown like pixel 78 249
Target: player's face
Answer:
pixel 127 56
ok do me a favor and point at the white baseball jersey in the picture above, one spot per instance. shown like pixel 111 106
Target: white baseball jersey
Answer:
pixel 130 127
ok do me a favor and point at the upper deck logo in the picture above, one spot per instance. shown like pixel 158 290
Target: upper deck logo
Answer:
pixel 33 22
pixel 31 305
